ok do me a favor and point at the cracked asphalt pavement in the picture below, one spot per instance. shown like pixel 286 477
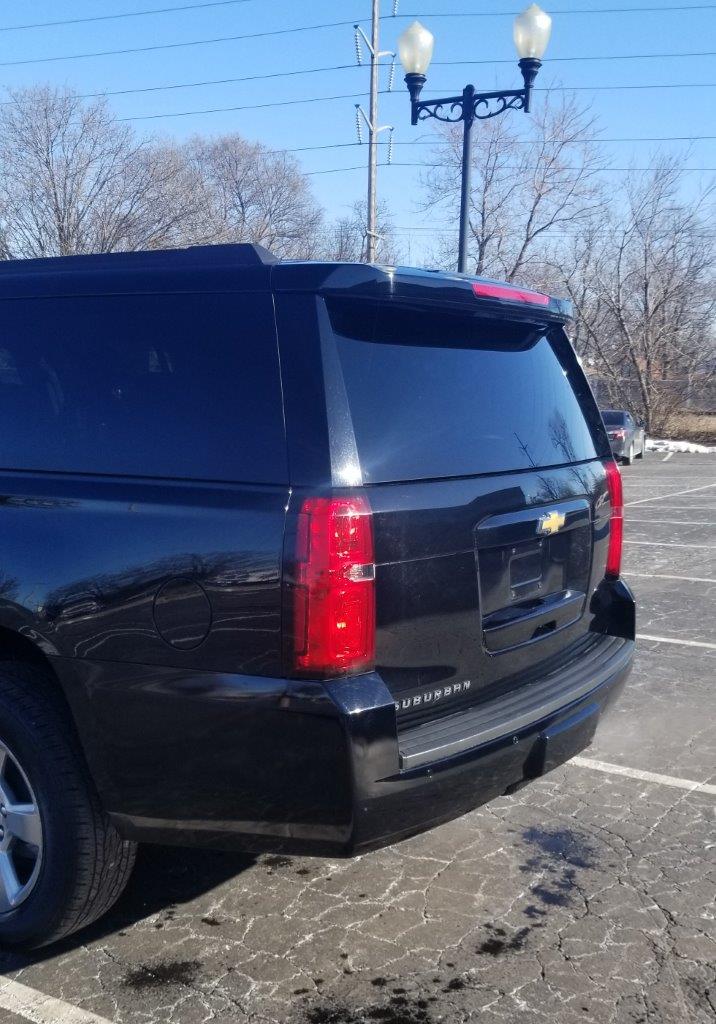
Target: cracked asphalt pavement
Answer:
pixel 586 897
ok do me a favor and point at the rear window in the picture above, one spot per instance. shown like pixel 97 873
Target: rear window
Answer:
pixel 183 386
pixel 440 395
pixel 613 419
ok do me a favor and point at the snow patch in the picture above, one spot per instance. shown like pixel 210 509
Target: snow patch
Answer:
pixel 653 444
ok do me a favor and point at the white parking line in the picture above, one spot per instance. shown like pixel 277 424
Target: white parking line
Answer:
pixel 673 522
pixel 666 576
pixel 636 773
pixel 668 544
pixel 667 457
pixel 649 485
pixel 675 640
pixel 672 494
pixel 38 1008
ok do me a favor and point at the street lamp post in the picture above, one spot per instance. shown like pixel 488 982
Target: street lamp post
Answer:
pixel 531 34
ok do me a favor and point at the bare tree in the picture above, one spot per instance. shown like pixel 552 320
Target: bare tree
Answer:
pixel 525 189
pixel 641 281
pixel 345 238
pixel 250 193
pixel 75 180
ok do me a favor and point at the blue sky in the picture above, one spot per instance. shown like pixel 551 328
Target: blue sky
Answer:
pixel 479 31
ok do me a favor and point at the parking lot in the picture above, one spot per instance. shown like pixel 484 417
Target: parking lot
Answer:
pixel 588 896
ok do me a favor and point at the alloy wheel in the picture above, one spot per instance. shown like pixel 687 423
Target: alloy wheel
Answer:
pixel 21 834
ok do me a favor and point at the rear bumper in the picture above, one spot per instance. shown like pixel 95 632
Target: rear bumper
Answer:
pixel 450 767
pixel 238 762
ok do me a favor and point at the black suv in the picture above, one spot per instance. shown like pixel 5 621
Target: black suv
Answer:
pixel 295 556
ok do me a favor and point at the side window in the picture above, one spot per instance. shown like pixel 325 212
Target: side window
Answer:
pixel 183 386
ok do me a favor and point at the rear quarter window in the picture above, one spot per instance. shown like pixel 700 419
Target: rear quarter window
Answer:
pixel 171 385
pixel 434 394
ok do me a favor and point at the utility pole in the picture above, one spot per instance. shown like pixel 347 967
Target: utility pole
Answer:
pixel 372 225
pixel 371 122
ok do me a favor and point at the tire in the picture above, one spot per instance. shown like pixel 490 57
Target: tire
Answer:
pixel 629 457
pixel 77 864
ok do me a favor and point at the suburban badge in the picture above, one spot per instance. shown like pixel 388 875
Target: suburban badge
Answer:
pixel 432 696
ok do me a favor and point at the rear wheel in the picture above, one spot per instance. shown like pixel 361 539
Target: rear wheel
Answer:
pixel 21 835
pixel 629 457
pixel 62 863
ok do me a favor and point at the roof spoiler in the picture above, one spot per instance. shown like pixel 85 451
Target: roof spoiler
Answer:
pixel 197 256
pixel 409 284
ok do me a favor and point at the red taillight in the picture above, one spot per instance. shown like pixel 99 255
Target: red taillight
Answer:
pixel 502 291
pixel 334 590
pixel 616 523
pixel 618 434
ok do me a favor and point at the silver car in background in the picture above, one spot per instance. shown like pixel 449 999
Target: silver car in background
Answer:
pixel 626 435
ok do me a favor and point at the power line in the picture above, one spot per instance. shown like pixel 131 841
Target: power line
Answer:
pixel 232 3
pixel 217 81
pixel 558 13
pixel 358 167
pixel 175 46
pixel 356 67
pixel 247 106
pixel 606 88
pixel 339 170
pixel 439 234
pixel 353 96
pixel 586 57
pixel 127 14
pixel 322 25
pixel 526 142
pixel 549 233
pixel 599 170
pixel 596 138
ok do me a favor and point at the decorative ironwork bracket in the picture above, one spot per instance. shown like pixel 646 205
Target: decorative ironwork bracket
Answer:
pixel 472 105
pixel 479 106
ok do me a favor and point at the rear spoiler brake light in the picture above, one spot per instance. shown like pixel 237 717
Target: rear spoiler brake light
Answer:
pixel 483 290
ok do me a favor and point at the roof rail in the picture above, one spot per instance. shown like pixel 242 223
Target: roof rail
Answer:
pixel 227 256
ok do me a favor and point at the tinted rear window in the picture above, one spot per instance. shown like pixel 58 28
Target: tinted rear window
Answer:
pixel 613 419
pixel 439 395
pixel 182 386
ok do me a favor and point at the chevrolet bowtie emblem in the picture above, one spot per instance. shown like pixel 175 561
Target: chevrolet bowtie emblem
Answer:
pixel 551 523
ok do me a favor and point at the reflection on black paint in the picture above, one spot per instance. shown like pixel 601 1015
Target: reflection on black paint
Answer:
pixel 433 394
pixel 104 615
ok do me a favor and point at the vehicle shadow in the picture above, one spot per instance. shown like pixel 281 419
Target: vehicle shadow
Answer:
pixel 164 876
